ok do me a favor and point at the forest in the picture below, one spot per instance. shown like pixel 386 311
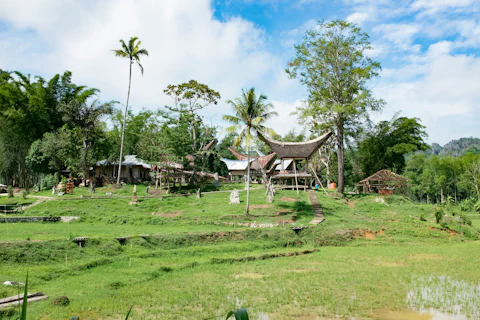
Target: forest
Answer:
pixel 48 126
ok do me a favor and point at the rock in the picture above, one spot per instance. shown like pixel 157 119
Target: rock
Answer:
pixel 134 195
pixel 61 193
pixel 199 193
pixel 235 197
pixel 108 194
pixel 54 190
pixel 216 182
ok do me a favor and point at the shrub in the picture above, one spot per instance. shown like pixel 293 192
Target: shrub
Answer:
pixel 48 181
pixel 439 213
pixel 465 219
pixel 24 193
pixel 10 191
pixel 423 216
pixel 62 301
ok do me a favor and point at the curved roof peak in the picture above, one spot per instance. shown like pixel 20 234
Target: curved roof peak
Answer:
pixel 295 149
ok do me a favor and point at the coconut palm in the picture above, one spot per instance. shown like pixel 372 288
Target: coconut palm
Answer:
pixel 250 114
pixel 133 52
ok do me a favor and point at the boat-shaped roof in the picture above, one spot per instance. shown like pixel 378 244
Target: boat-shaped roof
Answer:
pixel 295 150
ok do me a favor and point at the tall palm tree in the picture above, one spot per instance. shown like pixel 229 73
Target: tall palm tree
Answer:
pixel 250 114
pixel 133 52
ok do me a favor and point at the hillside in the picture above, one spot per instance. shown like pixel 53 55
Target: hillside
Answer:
pixel 183 257
pixel 457 148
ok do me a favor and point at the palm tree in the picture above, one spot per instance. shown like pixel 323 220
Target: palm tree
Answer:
pixel 133 52
pixel 250 114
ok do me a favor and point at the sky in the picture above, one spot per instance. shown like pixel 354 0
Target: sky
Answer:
pixel 429 51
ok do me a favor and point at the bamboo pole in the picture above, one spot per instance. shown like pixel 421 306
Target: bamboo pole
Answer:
pixel 295 171
pixel 318 179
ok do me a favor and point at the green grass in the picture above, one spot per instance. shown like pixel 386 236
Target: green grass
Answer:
pixel 17 200
pixel 189 258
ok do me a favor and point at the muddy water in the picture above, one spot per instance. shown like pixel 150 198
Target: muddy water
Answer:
pixel 431 298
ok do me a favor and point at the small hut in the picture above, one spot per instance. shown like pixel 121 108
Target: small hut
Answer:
pixel 294 151
pixel 133 170
pixel 383 182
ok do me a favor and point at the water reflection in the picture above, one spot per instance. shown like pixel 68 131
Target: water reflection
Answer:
pixel 445 298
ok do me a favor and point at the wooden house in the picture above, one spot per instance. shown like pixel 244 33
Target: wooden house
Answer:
pixel 133 170
pixel 288 178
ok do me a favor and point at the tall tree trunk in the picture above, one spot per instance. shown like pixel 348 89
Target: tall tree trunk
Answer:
pixel 124 124
pixel 194 135
pixel 340 155
pixel 247 209
pixel 85 167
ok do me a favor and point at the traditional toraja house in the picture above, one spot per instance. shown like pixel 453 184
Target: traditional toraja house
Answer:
pixel 238 167
pixel 383 182
pixel 133 170
pixel 294 151
pixel 207 147
pixel 277 166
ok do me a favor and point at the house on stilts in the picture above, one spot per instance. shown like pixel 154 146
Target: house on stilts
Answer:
pixel 258 165
pixel 293 178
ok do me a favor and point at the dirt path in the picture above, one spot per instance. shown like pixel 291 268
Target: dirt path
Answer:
pixel 41 200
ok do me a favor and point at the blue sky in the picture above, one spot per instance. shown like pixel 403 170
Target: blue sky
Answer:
pixel 429 50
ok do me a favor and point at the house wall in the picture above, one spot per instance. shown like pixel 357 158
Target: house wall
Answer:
pixel 127 173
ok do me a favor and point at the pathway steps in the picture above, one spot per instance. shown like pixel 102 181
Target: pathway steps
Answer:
pixel 317 209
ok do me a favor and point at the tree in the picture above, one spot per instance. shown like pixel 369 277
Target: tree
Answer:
pixel 133 52
pixel 386 145
pixel 195 96
pixel 85 119
pixel 333 65
pixel 250 115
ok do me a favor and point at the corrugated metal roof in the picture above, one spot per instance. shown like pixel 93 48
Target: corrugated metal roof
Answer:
pixel 130 161
pixel 286 164
pixel 236 164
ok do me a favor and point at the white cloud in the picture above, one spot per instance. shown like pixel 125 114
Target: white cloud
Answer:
pixel 184 41
pixel 447 88
pixel 430 7
pixel 358 17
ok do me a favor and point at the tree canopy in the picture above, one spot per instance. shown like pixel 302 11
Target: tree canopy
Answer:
pixel 334 65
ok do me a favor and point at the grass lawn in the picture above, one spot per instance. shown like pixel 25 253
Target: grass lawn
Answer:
pixel 191 258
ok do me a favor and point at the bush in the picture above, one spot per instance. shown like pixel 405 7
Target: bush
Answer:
pixel 24 193
pixel 62 301
pixel 465 219
pixel 48 181
pixel 423 216
pixel 439 214
pixel 10 191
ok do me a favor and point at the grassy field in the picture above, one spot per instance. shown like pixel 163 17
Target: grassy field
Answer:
pixel 190 258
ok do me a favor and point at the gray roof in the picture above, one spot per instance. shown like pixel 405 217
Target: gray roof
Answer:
pixel 236 164
pixel 130 161
pixel 286 164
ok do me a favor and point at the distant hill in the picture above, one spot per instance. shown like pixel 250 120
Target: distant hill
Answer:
pixel 456 148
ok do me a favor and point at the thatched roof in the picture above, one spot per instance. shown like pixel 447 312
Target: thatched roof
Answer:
pixel 295 150
pixel 384 175
pixel 210 145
